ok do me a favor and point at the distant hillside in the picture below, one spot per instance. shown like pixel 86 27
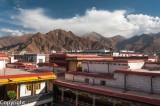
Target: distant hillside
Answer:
pixel 144 43
pixel 11 40
pixel 59 40
pixel 110 42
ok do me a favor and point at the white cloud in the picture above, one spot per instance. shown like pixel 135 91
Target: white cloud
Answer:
pixel 144 23
pixel 107 23
pixel 13 32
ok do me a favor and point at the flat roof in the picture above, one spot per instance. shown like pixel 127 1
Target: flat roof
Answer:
pixel 12 71
pixel 48 64
pixel 148 62
pixel 91 74
pixel 115 61
pixel 143 72
pixel 131 53
pixel 131 57
pixel 29 54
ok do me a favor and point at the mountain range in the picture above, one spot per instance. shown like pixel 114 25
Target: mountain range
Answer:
pixel 61 40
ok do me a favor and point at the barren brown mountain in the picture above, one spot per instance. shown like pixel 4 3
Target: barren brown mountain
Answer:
pixel 59 40
pixel 147 43
pixel 110 41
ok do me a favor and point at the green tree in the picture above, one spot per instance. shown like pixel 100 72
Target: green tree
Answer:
pixel 11 94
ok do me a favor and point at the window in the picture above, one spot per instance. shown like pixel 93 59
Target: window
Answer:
pixel 103 83
pixel 38 86
pixel 40 60
pixel 29 87
pixel 87 80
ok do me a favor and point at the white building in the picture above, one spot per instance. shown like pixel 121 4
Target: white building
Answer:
pixel 139 80
pixel 2 64
pixel 37 58
pixel 35 88
pixel 120 78
pixel 96 51
pixel 127 54
pixel 153 58
pixel 127 75
pixel 110 66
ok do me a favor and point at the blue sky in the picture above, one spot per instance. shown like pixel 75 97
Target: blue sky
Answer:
pixel 107 17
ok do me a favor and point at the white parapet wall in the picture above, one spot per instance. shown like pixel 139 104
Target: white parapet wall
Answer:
pixel 2 64
pixel 156 85
pixel 135 82
pixel 103 67
pixel 152 66
pixel 138 82
pixel 24 91
pixel 135 65
pixel 119 79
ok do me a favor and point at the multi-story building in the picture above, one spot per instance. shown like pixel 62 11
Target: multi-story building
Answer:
pixel 108 82
pixel 36 58
pixel 4 59
pixel 29 88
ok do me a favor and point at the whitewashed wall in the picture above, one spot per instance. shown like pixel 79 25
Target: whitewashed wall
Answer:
pixel 135 65
pixel 139 82
pixel 109 82
pixel 152 66
pixel 2 64
pixel 40 57
pixel 133 82
pixel 24 91
pixel 119 80
pixel 116 54
pixel 156 85
pixel 12 60
pixel 127 55
pixel 113 67
pixel 102 67
pixel 69 77
pixel 153 60
pixel 42 88
pixel 81 78
pixel 93 80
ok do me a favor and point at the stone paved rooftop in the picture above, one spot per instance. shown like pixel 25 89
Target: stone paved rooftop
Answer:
pixel 12 71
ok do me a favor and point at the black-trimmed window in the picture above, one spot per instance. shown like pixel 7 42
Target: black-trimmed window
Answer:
pixel 29 87
pixel 103 83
